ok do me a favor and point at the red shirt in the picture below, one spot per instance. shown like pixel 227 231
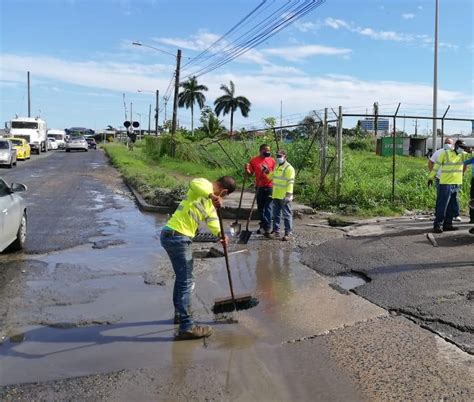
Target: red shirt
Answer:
pixel 256 163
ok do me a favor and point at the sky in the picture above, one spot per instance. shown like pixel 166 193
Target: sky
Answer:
pixel 348 53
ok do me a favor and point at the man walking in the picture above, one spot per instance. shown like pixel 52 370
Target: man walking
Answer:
pixel 176 238
pixel 283 181
pixel 450 163
pixel 263 185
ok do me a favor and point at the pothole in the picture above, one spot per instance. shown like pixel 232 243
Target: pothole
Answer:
pixel 350 281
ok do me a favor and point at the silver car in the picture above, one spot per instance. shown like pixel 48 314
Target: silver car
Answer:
pixel 12 216
pixel 77 143
pixel 7 153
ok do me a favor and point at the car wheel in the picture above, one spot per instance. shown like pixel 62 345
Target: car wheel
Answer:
pixel 68 150
pixel 20 240
pixel 86 150
pixel 10 165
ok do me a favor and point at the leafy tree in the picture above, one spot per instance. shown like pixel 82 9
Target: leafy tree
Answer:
pixel 229 103
pixel 190 95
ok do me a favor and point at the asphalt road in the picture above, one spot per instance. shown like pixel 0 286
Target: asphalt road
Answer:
pixel 434 286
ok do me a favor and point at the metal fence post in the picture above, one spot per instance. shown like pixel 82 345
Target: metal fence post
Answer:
pixel 394 151
pixel 323 148
pixel 339 151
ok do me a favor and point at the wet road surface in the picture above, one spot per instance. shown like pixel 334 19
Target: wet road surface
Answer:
pixel 86 314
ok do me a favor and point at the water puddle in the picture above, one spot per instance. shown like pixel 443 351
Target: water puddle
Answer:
pixel 350 281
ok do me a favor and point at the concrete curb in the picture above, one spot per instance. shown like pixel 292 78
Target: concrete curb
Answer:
pixel 228 212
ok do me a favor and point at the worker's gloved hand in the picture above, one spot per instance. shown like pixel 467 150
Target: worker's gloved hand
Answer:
pixel 288 198
pixel 216 200
pixel 247 169
pixel 430 182
pixel 225 240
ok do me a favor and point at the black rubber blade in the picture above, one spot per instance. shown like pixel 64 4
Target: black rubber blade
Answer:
pixel 227 305
pixel 244 237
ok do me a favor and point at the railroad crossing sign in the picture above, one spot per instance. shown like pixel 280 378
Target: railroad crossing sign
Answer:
pixel 134 124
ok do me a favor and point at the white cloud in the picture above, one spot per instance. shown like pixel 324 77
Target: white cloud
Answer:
pixel 408 16
pixel 302 52
pixel 336 24
pixel 306 26
pixel 264 86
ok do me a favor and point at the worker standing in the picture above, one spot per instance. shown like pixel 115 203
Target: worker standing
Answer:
pixel 282 195
pixel 200 205
pixel 471 210
pixel 450 163
pixel 263 186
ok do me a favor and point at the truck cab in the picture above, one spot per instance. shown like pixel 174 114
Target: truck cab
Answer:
pixel 33 130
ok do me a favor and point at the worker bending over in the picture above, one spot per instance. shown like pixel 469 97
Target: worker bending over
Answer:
pixel 176 238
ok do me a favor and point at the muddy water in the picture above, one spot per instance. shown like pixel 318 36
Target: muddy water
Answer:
pixel 92 312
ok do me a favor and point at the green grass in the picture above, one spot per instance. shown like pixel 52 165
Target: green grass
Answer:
pixel 366 188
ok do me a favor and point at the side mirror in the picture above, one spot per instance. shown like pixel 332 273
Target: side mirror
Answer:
pixel 18 187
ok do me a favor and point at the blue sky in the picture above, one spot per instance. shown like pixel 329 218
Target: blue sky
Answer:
pixel 349 53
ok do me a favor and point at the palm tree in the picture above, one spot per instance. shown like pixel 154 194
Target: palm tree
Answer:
pixel 191 94
pixel 230 103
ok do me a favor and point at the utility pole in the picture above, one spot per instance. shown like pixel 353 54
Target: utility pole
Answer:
pixel 149 118
pixel 376 119
pixel 416 127
pixel 29 95
pixel 175 100
pixel 157 111
pixel 281 119
pixel 435 77
pixel 124 106
pixel 165 99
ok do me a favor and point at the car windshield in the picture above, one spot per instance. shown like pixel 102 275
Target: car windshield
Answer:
pixel 16 142
pixel 4 145
pixel 51 139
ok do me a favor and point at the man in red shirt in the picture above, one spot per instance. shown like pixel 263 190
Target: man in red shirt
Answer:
pixel 263 185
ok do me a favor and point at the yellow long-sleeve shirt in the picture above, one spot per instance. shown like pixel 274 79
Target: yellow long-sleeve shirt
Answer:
pixel 195 208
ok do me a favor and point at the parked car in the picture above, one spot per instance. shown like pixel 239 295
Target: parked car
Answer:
pixel 7 153
pixel 23 150
pixel 13 216
pixel 78 143
pixel 92 143
pixel 52 144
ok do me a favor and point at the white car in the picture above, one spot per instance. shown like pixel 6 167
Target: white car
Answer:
pixel 78 143
pixel 52 143
pixel 12 216
pixel 7 153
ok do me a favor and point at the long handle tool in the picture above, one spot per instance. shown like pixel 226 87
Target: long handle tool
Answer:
pixel 234 303
pixel 245 234
pixel 236 227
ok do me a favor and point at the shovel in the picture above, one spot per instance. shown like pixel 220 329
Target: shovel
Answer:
pixel 245 235
pixel 236 227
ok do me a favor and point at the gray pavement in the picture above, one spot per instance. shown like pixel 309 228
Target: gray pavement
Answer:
pixel 87 315
pixel 406 274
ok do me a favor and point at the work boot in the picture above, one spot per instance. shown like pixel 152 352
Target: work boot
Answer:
pixel 196 332
pixel 450 228
pixel 287 237
pixel 268 235
pixel 471 231
pixel 437 229
pixel 457 219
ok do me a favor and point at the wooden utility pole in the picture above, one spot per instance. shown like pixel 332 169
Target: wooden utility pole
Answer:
pixel 175 101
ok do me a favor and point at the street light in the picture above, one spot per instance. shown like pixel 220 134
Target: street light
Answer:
pixel 176 87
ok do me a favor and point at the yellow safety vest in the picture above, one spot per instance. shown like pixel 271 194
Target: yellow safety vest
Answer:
pixel 451 166
pixel 283 180
pixel 195 208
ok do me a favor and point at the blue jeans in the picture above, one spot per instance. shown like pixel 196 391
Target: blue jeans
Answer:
pixel 279 208
pixel 458 210
pixel 264 206
pixel 179 249
pixel 447 205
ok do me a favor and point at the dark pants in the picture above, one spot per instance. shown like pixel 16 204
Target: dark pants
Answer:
pixel 471 211
pixel 447 205
pixel 264 206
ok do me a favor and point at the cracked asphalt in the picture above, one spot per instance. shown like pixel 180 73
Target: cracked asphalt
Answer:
pixel 86 312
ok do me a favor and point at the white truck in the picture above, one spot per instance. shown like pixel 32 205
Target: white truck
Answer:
pixel 59 136
pixel 33 130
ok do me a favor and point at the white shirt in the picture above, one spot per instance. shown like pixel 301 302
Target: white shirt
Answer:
pixel 434 158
